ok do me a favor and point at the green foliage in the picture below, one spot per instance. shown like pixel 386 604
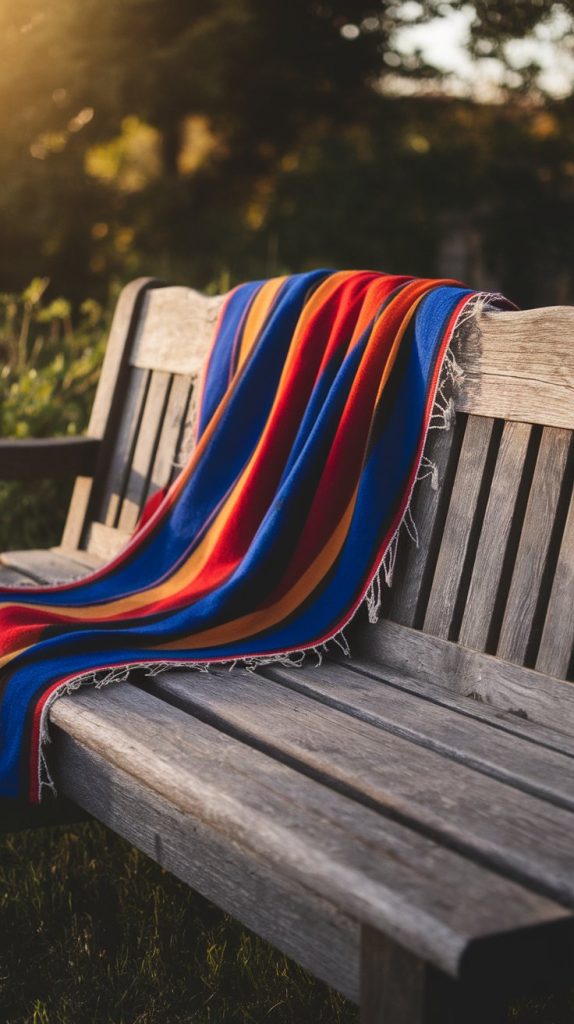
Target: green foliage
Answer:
pixel 179 137
pixel 92 931
pixel 49 370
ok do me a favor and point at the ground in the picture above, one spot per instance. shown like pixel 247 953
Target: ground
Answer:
pixel 92 932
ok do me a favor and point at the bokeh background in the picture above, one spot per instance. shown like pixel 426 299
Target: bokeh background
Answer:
pixel 207 142
pixel 212 141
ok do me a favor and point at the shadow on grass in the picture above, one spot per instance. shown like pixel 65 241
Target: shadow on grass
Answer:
pixel 92 931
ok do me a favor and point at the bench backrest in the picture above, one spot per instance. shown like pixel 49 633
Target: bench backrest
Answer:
pixel 142 411
pixel 494 569
pixel 494 565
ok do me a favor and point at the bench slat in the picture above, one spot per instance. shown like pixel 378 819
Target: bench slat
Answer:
pixel 527 577
pixel 458 526
pixel 502 826
pixel 499 517
pixel 482 745
pixel 45 566
pixel 555 652
pixel 144 451
pixel 519 366
pixel 107 408
pixel 175 330
pixel 415 562
pixel 14 578
pixel 171 433
pixel 509 721
pixel 105 541
pixel 296 920
pixel 523 692
pixel 84 558
pixel 369 866
pixel 113 490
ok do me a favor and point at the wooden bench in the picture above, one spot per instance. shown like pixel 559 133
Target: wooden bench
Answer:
pixel 401 821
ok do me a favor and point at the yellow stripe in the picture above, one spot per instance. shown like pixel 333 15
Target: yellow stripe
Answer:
pixel 257 315
pixel 264 618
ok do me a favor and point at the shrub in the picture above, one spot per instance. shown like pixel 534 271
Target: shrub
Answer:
pixel 49 370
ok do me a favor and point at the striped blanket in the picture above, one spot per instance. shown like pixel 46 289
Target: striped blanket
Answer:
pixel 314 406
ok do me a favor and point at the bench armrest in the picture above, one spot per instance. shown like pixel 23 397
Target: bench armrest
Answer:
pixel 36 458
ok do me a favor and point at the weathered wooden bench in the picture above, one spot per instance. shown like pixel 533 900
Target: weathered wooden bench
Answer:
pixel 401 822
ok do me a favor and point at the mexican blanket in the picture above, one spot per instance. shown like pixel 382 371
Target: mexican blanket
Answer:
pixel 314 406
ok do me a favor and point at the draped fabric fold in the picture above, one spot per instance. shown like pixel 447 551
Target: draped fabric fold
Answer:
pixel 315 403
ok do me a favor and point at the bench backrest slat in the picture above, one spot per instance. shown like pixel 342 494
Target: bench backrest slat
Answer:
pixel 175 329
pixel 557 642
pixel 146 442
pixel 535 559
pixel 174 433
pixel 142 410
pixel 456 543
pixel 499 572
pixel 128 428
pixel 406 602
pixel 484 578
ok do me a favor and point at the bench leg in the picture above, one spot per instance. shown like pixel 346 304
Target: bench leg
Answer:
pixel 398 987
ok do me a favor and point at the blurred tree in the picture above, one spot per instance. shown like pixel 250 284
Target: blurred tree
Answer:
pixel 242 137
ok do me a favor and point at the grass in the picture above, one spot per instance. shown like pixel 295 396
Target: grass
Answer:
pixel 93 932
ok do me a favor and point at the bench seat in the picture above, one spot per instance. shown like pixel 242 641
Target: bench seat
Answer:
pixel 323 804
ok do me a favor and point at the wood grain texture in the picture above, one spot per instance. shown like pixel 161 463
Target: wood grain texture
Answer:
pixel 393 982
pixel 175 330
pixel 512 721
pixel 458 526
pixel 84 558
pixel 14 578
pixel 126 440
pixel 525 763
pixel 557 642
pixel 519 366
pixel 105 542
pixel 415 562
pixel 369 867
pixel 527 577
pixel 144 450
pixel 303 925
pixel 55 458
pixel 501 508
pixel 526 694
pixel 476 814
pixel 44 566
pixel 107 406
pixel 399 988
pixel 171 433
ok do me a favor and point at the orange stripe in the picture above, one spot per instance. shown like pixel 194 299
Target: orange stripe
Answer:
pixel 257 315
